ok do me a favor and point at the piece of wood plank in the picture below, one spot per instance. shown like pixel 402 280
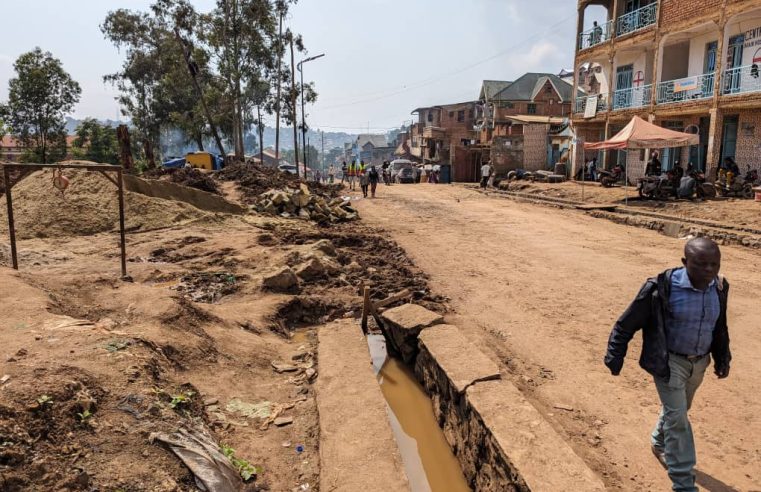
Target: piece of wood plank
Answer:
pixel 391 299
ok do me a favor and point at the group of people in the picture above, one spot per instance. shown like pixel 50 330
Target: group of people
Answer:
pixel 368 178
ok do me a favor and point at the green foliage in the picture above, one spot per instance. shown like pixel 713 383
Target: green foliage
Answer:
pixel 246 470
pixel 38 99
pixel 44 400
pixel 96 142
pixel 180 399
pixel 85 416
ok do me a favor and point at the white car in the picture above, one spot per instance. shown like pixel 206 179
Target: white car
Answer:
pixel 287 168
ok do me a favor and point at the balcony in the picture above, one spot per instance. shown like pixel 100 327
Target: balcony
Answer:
pixel 742 79
pixel 633 97
pixel 581 103
pixel 596 35
pixel 637 20
pixel 687 89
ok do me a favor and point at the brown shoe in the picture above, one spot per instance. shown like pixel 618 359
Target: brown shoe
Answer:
pixel 661 455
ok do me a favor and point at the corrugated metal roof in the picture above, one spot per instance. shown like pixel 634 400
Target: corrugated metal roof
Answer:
pixel 528 119
pixel 490 88
pixel 375 140
pixel 528 85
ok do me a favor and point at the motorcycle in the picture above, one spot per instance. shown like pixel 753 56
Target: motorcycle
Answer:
pixel 657 187
pixel 728 185
pixel 387 177
pixel 609 178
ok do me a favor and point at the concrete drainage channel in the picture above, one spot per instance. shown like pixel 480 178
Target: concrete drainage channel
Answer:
pixel 497 437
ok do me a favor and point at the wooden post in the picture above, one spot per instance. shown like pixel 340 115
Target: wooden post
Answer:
pixel 122 239
pixel 11 224
pixel 365 308
pixel 295 117
pixel 125 148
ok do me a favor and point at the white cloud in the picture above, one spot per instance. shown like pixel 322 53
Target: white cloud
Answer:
pixel 541 54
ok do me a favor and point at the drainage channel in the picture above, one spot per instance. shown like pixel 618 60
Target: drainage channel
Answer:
pixel 428 460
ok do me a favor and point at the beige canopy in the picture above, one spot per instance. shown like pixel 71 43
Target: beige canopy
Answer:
pixel 639 134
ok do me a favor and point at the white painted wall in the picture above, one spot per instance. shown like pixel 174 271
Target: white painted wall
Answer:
pixel 639 60
pixel 698 51
pixel 744 25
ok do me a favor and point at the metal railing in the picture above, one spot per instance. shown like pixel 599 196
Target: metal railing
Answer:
pixel 742 79
pixel 636 20
pixel 687 89
pixel 596 35
pixel 581 103
pixel 633 97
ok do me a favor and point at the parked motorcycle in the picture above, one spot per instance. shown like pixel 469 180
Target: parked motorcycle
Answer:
pixel 728 185
pixel 609 178
pixel 703 190
pixel 657 187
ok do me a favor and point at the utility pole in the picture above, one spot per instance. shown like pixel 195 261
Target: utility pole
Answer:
pixel 303 112
pixel 279 86
pixel 295 116
pixel 322 136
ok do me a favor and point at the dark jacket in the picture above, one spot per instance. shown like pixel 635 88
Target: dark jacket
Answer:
pixel 649 312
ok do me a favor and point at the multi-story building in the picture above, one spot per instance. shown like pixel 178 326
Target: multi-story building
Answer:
pixel 442 136
pixel 687 65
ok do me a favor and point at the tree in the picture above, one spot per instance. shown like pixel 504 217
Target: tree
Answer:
pixel 39 97
pixel 96 142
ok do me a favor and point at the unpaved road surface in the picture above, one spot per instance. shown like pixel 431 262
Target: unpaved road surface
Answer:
pixel 539 289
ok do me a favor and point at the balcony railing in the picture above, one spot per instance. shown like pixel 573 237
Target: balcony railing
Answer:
pixel 633 97
pixel 742 79
pixel 687 89
pixel 581 104
pixel 596 35
pixel 636 20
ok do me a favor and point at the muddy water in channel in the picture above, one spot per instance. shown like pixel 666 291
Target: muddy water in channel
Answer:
pixel 428 460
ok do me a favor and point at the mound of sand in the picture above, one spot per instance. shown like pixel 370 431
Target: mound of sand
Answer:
pixel 89 206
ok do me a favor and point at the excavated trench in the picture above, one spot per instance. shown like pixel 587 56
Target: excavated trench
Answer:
pixel 428 460
pixel 458 425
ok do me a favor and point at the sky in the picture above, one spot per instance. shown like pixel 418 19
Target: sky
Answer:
pixel 383 58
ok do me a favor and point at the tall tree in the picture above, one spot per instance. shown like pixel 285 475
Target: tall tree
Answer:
pixel 38 99
pixel 96 142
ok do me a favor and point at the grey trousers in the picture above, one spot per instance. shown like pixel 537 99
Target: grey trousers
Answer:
pixel 673 433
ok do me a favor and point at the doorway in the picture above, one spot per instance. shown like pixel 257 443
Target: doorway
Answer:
pixel 729 137
pixel 624 79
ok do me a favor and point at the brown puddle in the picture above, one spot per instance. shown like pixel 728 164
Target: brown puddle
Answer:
pixel 428 460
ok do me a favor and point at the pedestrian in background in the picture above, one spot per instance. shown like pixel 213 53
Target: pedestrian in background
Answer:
pixel 485 174
pixel 373 177
pixel 344 172
pixel 331 174
pixel 683 317
pixel 363 183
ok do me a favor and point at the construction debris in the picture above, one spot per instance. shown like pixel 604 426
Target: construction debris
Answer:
pixel 304 204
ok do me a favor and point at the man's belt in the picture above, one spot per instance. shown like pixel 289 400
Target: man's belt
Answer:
pixel 688 357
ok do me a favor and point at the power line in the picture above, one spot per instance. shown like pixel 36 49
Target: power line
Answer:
pixel 437 78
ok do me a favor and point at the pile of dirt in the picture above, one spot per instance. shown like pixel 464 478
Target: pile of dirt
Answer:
pixel 254 179
pixel 89 206
pixel 190 177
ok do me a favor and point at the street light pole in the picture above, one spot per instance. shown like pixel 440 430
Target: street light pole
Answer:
pixel 303 116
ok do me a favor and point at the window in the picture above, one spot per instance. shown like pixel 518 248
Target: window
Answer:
pixel 461 116
pixel 531 109
pixel 451 114
pixel 471 114
pixel 548 89
pixel 430 116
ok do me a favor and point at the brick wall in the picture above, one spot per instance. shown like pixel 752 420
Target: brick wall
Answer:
pixel 677 12
pixel 507 154
pixel 535 147
pixel 748 140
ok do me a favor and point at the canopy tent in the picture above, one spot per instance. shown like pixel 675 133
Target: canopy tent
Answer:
pixel 639 134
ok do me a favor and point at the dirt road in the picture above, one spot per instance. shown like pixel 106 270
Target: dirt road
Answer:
pixel 539 288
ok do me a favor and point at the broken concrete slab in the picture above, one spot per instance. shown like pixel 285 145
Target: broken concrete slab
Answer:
pixel 459 360
pixel 504 431
pixel 405 324
pixel 357 446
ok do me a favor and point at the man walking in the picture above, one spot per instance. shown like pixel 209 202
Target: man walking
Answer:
pixel 683 317
pixel 373 177
pixel 344 172
pixel 485 174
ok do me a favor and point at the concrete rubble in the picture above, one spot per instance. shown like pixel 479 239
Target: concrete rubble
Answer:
pixel 304 204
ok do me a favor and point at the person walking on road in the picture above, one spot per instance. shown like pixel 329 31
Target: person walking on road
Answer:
pixel 344 172
pixel 683 317
pixel 485 174
pixel 363 182
pixel 331 174
pixel 352 174
pixel 373 177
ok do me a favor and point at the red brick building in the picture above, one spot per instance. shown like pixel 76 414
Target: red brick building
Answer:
pixel 682 64
pixel 443 134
